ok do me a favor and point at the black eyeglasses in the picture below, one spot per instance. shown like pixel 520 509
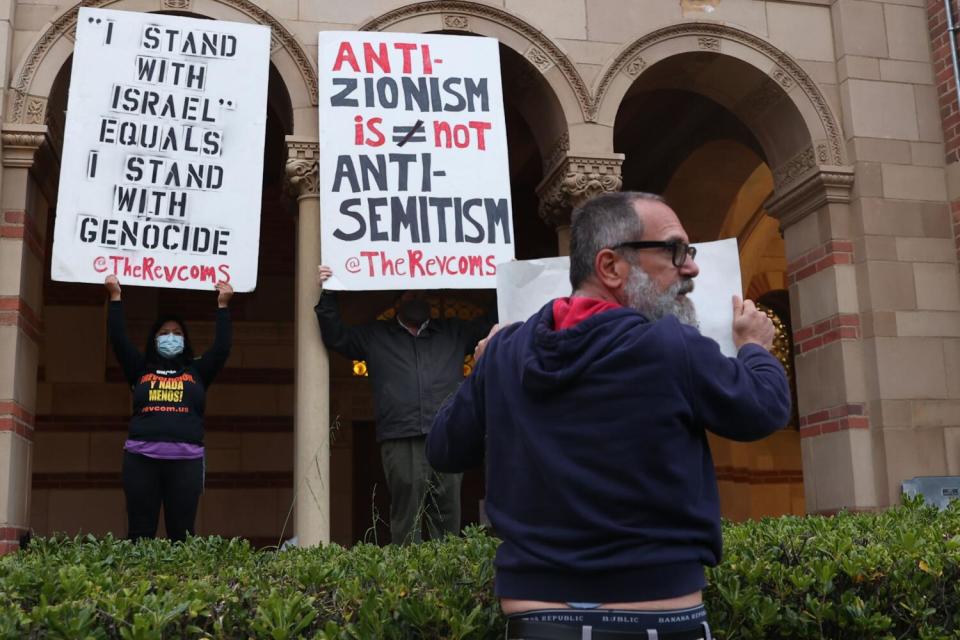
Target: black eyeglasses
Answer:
pixel 680 249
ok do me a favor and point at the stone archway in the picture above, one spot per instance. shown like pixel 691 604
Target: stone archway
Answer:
pixel 785 84
pixel 784 108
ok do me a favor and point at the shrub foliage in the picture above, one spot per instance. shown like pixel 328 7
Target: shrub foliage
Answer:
pixel 894 574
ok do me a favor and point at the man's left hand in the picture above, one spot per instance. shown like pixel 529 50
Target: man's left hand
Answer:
pixel 482 345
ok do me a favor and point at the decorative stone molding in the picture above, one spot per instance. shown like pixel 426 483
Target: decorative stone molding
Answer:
pixel 635 66
pixel 823 153
pixel 35 110
pixel 793 168
pixel 782 77
pixel 557 153
pixel 458 22
pixel 704 31
pixel 538 59
pixel 303 179
pixel 20 144
pixel 575 180
pixel 65 25
pixel 468 11
pixel 179 5
pixel 806 192
pixel 709 43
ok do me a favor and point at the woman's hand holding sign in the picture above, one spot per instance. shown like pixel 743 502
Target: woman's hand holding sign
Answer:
pixel 113 287
pixel 224 293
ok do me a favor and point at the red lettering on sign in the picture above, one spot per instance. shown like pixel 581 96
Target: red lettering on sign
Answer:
pixel 406 48
pixel 345 55
pixel 148 269
pixel 379 57
pixel 415 256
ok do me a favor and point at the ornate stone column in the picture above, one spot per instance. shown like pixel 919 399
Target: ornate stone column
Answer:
pixel 311 469
pixel 571 182
pixel 21 287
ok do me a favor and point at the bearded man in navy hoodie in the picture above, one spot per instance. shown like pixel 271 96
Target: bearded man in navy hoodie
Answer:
pixel 593 416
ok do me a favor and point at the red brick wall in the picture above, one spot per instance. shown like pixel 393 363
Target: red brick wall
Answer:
pixel 946 90
pixel 943 69
pixel 10 539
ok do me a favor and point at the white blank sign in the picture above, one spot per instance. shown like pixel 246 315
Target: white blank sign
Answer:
pixel 524 286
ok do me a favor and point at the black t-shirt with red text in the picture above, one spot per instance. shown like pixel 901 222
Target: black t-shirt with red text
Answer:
pixel 169 397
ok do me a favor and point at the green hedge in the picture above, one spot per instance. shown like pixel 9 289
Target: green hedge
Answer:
pixel 890 575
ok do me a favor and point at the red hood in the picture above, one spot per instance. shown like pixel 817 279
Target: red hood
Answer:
pixel 568 312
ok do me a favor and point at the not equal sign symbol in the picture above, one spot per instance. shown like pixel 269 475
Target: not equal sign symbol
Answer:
pixel 416 133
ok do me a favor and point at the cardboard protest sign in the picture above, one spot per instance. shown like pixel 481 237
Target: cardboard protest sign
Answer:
pixel 414 179
pixel 524 286
pixel 163 152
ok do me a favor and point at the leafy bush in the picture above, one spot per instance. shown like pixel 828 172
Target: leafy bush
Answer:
pixel 894 574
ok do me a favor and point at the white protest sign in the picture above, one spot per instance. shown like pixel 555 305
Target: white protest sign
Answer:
pixel 414 179
pixel 523 287
pixel 714 288
pixel 163 152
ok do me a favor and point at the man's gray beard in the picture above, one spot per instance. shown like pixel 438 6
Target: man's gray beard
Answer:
pixel 643 296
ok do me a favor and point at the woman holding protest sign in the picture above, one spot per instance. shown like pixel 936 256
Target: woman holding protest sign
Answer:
pixel 163 458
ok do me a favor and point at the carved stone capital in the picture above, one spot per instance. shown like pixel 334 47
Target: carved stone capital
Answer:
pixel 20 144
pixel 793 169
pixel 819 185
pixel 302 168
pixel 573 181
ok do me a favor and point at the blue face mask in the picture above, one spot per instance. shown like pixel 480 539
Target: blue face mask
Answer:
pixel 169 345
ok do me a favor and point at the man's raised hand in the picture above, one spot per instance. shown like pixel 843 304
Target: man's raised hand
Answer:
pixel 323 274
pixel 750 325
pixel 482 345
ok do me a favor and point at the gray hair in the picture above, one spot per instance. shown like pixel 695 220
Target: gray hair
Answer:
pixel 601 223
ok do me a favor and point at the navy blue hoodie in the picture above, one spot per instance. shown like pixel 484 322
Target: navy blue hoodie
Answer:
pixel 599 477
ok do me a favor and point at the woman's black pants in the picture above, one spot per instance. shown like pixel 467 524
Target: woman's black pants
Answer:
pixel 148 483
